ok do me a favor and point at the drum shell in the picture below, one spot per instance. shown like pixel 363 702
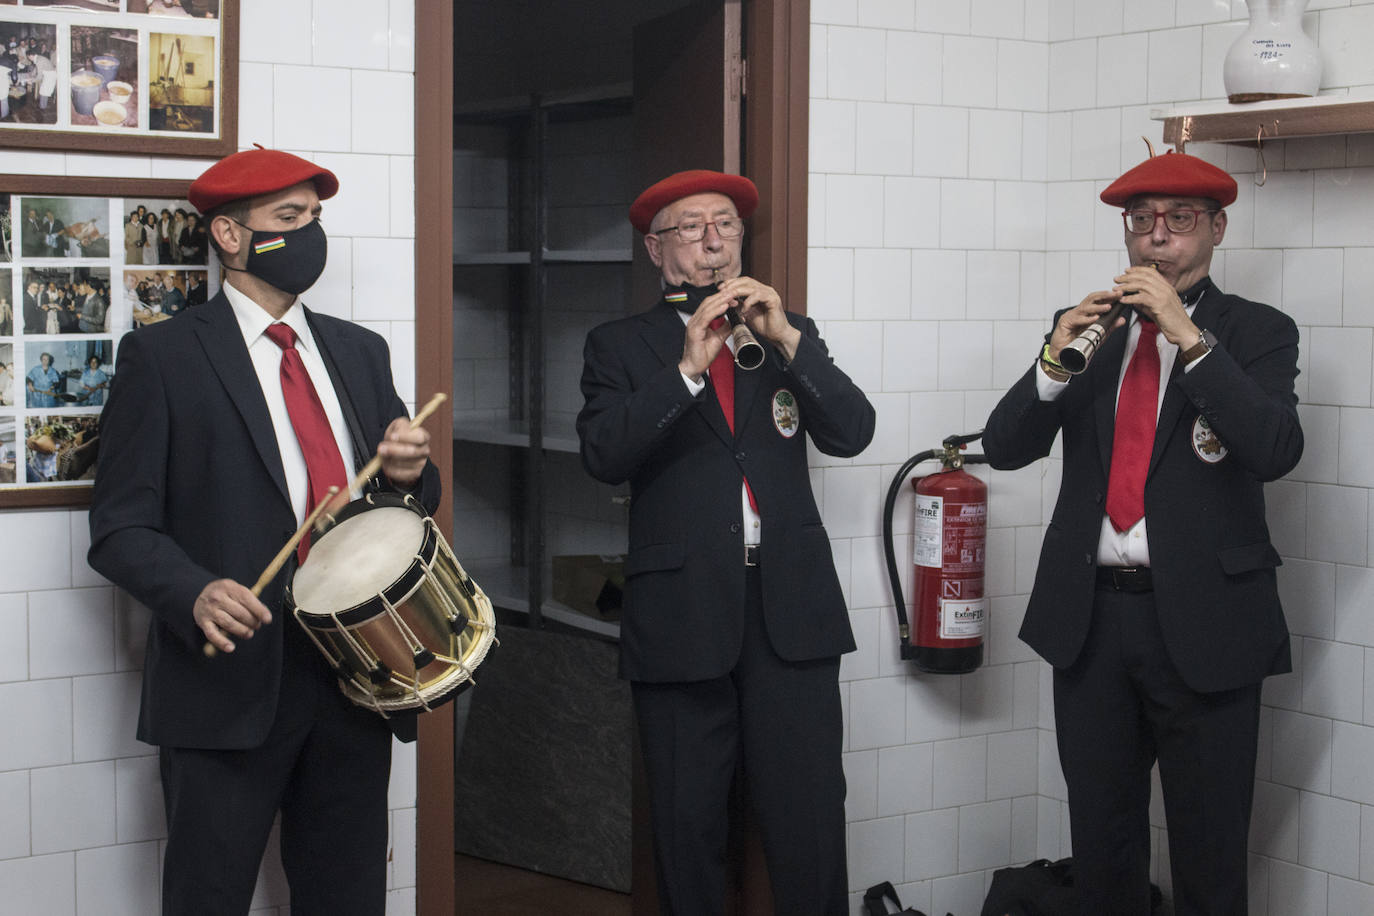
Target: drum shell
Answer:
pixel 432 606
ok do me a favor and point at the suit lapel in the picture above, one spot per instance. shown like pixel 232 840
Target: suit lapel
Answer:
pixel 663 334
pixel 1107 361
pixel 222 340
pixel 1207 314
pixel 333 349
pixel 748 384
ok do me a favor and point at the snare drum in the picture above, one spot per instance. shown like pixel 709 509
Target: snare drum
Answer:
pixel 387 602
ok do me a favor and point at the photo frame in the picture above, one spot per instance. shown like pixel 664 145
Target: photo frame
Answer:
pixel 83 262
pixel 123 76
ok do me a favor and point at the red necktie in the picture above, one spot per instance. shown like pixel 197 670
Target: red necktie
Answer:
pixel 723 380
pixel 324 466
pixel 1137 408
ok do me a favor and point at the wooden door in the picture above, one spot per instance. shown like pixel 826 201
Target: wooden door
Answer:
pixel 687 85
pixel 690 115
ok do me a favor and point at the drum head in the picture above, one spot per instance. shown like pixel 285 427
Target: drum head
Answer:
pixel 358 559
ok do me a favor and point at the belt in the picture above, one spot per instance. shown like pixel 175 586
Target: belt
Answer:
pixel 751 554
pixel 1125 578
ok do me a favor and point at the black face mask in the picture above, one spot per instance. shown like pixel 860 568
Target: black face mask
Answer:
pixel 687 298
pixel 291 261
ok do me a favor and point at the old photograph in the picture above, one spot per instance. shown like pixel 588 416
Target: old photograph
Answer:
pixel 64 227
pixel 6 306
pixel 156 295
pixel 8 458
pixel 54 371
pixel 191 9
pixel 60 448
pixel 6 375
pixel 104 77
pixel 181 86
pixel 66 300
pixel 164 232
pixel 28 78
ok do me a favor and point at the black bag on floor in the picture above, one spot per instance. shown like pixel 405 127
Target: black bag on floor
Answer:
pixel 874 904
pixel 1042 888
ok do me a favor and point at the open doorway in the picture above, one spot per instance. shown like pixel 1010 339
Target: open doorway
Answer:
pixel 544 155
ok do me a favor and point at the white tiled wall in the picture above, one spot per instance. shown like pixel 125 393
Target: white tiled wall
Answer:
pixel 957 150
pixel 81 822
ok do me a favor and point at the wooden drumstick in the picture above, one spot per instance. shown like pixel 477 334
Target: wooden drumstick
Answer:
pixel 375 465
pixel 282 556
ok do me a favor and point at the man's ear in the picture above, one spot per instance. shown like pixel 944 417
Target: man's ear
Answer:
pixel 1218 227
pixel 654 246
pixel 227 233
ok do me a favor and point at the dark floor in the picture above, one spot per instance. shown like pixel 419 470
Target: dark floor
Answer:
pixel 501 890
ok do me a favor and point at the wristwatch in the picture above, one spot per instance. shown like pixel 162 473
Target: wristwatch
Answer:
pixel 1204 345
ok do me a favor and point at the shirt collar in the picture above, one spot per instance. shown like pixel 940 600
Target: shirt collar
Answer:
pixel 253 319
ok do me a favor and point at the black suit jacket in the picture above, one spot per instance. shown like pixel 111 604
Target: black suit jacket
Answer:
pixel 190 488
pixel 1210 552
pixel 33 315
pixel 685 574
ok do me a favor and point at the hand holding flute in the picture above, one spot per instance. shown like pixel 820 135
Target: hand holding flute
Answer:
pixel 1147 289
pixel 755 316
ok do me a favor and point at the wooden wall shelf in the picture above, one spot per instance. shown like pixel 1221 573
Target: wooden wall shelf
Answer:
pixel 1221 122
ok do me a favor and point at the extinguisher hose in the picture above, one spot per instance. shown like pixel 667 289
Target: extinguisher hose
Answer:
pixel 888 504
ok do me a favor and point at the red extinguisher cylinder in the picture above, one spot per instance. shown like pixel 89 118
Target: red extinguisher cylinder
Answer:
pixel 950 610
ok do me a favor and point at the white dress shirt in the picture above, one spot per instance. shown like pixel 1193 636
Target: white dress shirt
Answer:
pixel 1130 547
pixel 253 320
pixel 753 524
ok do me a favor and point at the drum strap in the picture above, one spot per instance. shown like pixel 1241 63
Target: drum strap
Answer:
pixel 361 450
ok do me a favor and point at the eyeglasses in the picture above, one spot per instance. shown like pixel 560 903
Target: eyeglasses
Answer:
pixel 1142 222
pixel 728 228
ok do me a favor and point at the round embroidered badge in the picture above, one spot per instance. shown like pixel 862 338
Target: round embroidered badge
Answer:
pixel 786 413
pixel 1206 445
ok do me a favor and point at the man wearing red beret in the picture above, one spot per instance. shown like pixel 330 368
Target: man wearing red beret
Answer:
pixel 734 619
pixel 228 425
pixel 1155 597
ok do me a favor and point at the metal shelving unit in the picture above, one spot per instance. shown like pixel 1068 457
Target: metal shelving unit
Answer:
pixel 521 584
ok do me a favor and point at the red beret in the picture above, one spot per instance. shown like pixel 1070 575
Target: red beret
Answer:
pixel 252 172
pixel 1176 174
pixel 684 184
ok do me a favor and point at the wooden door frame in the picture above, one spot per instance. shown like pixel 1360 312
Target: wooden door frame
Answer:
pixel 435 893
pixel 777 42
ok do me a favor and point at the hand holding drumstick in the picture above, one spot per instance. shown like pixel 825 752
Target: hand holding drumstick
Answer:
pixel 224 604
pixel 226 608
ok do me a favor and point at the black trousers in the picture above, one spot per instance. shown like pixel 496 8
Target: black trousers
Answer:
pixel 780 720
pixel 325 765
pixel 1117 709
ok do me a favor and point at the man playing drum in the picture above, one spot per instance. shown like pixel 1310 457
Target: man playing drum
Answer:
pixel 227 427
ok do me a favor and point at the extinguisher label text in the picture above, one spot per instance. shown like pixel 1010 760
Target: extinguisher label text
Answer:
pixel 963 619
pixel 929 531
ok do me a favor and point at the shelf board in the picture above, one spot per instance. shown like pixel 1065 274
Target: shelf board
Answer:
pixel 505 586
pixel 558 436
pixel 588 256
pixel 1222 122
pixel 490 257
pixel 551 256
pixel 594 101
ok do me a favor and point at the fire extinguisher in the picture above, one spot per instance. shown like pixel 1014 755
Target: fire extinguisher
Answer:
pixel 950 532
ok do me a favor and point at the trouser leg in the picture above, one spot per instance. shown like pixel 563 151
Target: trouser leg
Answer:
pixel 1106 751
pixel 689 736
pixel 792 734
